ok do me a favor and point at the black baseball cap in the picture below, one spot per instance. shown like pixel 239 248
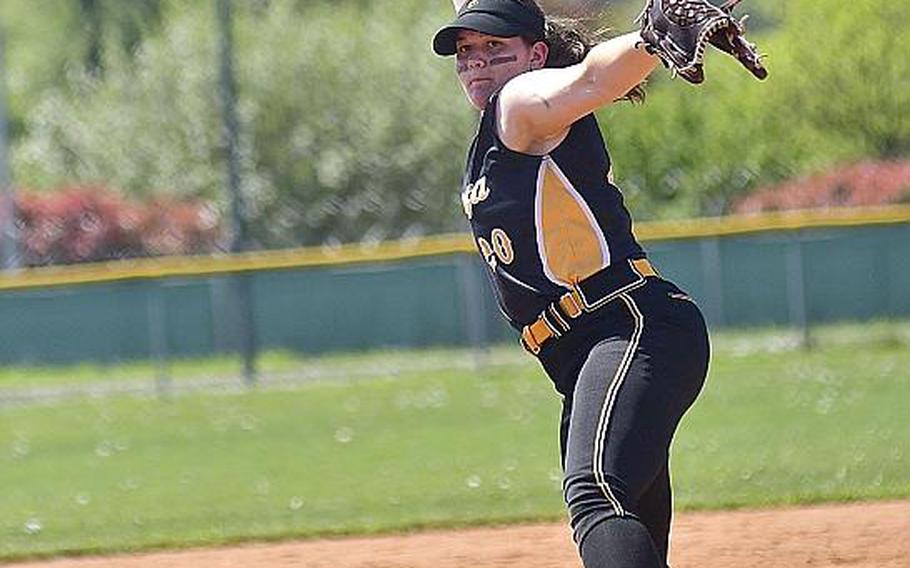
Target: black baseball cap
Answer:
pixel 501 18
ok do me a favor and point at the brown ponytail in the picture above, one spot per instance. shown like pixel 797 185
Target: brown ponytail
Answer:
pixel 570 40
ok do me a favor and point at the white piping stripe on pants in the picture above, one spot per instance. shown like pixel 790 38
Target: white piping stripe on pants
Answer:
pixel 601 438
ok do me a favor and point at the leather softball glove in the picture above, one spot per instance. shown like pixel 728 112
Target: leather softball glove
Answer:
pixel 679 31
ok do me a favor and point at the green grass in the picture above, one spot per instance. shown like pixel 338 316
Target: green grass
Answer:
pixel 774 425
pixel 230 367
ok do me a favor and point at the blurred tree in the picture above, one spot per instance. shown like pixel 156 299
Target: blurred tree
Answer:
pixel 353 130
pixel 693 151
pixel 46 38
pixel 149 124
pixel 92 16
pixel 849 71
pixel 39 36
pixel 122 23
pixel 619 14
pixel 359 129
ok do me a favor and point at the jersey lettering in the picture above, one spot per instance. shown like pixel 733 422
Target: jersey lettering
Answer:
pixel 473 194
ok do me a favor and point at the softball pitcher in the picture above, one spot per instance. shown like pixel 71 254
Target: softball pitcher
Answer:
pixel 627 349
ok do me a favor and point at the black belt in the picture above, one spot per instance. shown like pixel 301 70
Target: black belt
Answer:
pixel 587 296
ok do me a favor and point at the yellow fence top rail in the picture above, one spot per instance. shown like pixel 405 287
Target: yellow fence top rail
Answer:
pixel 770 222
pixel 174 267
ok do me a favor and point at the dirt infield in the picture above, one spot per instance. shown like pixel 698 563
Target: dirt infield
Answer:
pixel 843 536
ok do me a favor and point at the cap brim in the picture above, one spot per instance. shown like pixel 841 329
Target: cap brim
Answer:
pixel 444 40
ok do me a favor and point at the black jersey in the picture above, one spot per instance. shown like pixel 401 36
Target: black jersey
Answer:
pixel 544 223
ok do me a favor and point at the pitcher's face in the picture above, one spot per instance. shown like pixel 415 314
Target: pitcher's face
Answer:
pixel 485 63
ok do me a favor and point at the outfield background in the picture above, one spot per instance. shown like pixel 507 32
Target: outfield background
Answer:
pixel 408 440
pixel 793 269
pixel 304 220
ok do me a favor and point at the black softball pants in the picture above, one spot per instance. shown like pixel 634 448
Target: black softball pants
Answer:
pixel 627 377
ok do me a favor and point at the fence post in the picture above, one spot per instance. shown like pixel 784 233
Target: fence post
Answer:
pixel 234 320
pixel 239 241
pixel 248 347
pixel 712 273
pixel 157 321
pixel 471 309
pixel 796 289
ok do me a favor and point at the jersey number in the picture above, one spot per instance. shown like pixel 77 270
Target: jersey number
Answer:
pixel 499 251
